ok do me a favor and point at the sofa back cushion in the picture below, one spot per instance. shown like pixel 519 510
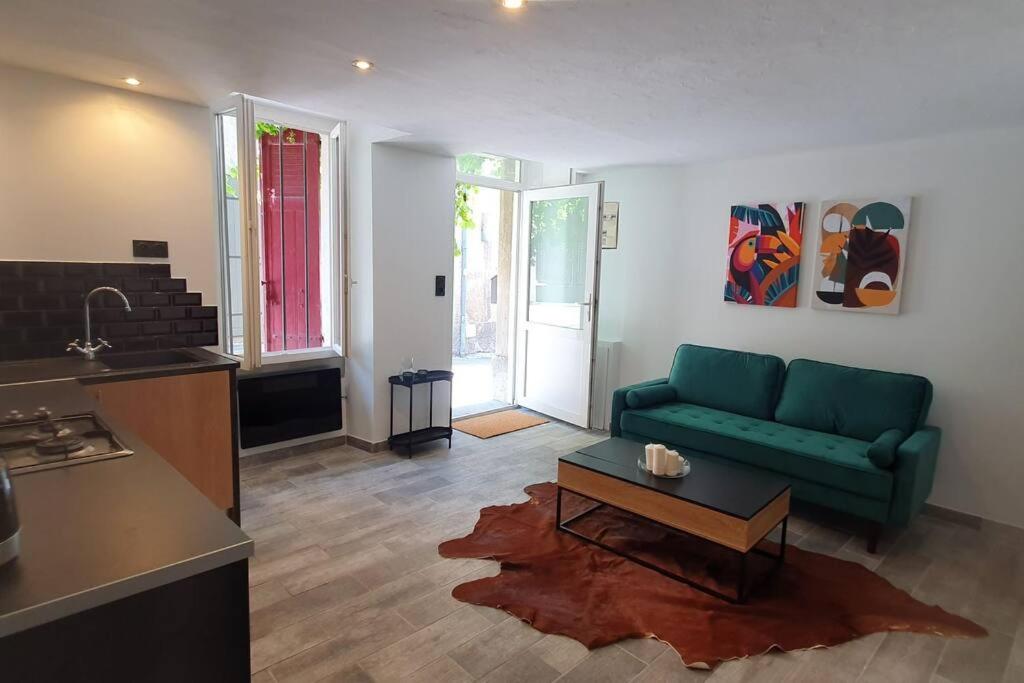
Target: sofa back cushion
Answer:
pixel 852 402
pixel 743 383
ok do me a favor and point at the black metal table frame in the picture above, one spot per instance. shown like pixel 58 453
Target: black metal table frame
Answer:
pixel 743 587
pixel 392 437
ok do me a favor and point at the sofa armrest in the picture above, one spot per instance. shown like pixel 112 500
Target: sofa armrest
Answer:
pixel 914 471
pixel 619 401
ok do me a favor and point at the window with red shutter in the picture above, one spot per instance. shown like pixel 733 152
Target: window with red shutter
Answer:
pixel 290 197
pixel 280 193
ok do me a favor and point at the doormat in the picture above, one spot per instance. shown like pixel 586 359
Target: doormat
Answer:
pixel 560 584
pixel 496 424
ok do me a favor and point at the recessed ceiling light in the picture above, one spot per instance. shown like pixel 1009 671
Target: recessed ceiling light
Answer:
pixel 131 80
pixel 362 64
pixel 513 4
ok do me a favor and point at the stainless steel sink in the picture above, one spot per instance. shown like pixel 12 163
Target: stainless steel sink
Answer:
pixel 145 359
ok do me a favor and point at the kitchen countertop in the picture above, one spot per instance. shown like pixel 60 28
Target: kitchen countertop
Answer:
pixel 100 531
pixel 77 367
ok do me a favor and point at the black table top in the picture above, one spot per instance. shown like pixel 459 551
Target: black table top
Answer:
pixel 422 378
pixel 731 490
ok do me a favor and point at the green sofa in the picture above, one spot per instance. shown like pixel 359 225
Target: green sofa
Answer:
pixel 849 439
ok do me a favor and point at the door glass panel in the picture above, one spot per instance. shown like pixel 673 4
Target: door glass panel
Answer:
pixel 558 262
pixel 227 124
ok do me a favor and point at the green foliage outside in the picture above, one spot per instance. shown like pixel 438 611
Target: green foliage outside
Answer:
pixel 558 237
pixel 266 128
pixel 231 183
pixel 557 222
pixel 231 174
pixel 463 212
pixel 485 165
pixel 489 166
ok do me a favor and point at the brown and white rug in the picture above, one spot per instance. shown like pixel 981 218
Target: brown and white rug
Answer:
pixel 563 585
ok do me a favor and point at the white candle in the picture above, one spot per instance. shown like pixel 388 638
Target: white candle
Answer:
pixel 674 464
pixel 660 456
pixel 649 455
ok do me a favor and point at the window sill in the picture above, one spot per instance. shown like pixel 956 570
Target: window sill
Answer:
pixel 297 356
pixel 294 361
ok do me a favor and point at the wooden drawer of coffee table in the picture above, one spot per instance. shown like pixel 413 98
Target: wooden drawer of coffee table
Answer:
pixel 732 532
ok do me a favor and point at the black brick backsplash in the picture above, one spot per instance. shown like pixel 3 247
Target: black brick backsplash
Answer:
pixel 187 299
pixel 203 312
pixel 169 284
pixel 41 308
pixel 173 313
pixel 152 328
pixel 138 284
pixel 172 341
pixel 155 300
pixel 140 314
pixel 80 269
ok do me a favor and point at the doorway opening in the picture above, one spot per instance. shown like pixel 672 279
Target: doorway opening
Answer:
pixel 482 299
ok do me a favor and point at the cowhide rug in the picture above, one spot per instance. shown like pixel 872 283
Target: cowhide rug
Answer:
pixel 561 584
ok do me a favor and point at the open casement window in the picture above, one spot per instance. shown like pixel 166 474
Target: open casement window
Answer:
pixel 280 208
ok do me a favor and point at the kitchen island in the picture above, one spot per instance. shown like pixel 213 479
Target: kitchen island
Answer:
pixel 126 572
pixel 182 402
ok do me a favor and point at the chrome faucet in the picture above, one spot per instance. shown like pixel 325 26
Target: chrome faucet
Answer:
pixel 89 349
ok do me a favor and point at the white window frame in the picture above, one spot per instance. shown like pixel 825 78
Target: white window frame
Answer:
pixel 249 110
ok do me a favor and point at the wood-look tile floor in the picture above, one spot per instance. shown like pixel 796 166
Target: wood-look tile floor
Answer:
pixel 347 584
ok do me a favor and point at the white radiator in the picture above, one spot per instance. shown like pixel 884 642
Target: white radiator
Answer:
pixel 606 380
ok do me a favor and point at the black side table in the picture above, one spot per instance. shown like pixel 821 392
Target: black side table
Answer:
pixel 414 436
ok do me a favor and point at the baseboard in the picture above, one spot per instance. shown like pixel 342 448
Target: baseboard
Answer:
pixel 296 449
pixel 310 446
pixel 368 446
pixel 954 516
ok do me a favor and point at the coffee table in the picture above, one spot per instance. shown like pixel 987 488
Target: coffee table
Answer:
pixel 731 506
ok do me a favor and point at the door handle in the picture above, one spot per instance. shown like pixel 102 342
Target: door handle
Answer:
pixel 587 304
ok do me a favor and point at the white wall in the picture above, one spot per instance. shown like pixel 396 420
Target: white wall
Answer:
pixel 962 318
pixel 85 169
pixel 413 214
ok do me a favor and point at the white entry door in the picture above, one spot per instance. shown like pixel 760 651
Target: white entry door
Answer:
pixel 559 265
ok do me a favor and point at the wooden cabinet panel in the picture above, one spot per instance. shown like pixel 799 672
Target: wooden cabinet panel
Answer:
pixel 184 418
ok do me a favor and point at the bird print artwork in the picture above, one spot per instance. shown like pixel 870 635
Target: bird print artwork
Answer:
pixel 764 254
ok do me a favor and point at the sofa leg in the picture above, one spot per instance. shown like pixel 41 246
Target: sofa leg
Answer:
pixel 874 533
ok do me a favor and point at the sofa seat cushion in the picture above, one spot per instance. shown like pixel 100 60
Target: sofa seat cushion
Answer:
pixel 827 459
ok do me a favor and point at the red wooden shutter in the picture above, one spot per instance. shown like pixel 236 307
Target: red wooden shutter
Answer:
pixel 290 180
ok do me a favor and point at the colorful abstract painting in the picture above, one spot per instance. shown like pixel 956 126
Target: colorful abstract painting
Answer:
pixel 764 254
pixel 861 255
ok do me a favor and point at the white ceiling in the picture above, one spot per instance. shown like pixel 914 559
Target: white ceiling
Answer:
pixel 583 82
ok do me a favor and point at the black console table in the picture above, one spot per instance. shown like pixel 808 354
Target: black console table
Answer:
pixel 432 432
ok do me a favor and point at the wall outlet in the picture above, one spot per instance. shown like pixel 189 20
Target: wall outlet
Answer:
pixel 149 249
pixel 439 285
